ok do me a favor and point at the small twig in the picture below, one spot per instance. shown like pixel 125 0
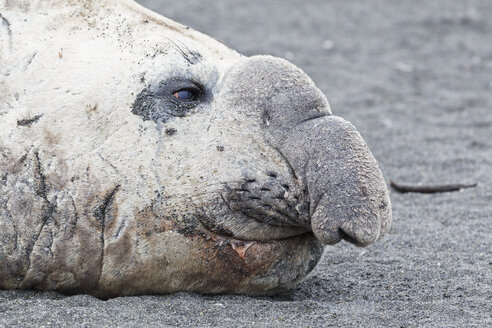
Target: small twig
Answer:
pixel 430 189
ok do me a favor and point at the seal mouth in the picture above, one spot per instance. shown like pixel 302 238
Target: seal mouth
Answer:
pixel 241 246
pixel 274 232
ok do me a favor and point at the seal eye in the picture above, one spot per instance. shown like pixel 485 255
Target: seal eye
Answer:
pixel 174 97
pixel 187 95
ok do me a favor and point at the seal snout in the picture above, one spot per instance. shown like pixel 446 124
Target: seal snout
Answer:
pixel 347 192
pixel 360 225
pixel 344 195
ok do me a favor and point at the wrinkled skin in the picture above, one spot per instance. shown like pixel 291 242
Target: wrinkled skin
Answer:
pixel 139 156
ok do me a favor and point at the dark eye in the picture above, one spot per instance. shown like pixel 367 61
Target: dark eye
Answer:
pixel 187 95
pixel 170 98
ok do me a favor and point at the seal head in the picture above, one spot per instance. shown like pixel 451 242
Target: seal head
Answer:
pixel 138 156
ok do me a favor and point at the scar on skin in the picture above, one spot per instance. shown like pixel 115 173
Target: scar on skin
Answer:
pixel 6 24
pixel 170 131
pixel 28 121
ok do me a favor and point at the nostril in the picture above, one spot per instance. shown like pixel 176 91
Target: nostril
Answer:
pixel 360 233
pixel 347 237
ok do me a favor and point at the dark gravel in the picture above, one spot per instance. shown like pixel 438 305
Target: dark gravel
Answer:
pixel 415 77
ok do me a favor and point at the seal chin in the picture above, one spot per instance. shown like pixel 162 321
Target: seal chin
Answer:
pixel 264 267
pixel 262 261
pixel 248 229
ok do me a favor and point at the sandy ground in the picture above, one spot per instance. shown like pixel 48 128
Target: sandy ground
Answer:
pixel 415 77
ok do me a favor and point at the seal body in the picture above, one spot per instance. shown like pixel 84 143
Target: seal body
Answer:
pixel 139 156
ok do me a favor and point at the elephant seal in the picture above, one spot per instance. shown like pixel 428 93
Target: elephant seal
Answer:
pixel 138 156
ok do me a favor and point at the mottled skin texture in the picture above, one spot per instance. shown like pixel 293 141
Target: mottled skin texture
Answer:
pixel 110 185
